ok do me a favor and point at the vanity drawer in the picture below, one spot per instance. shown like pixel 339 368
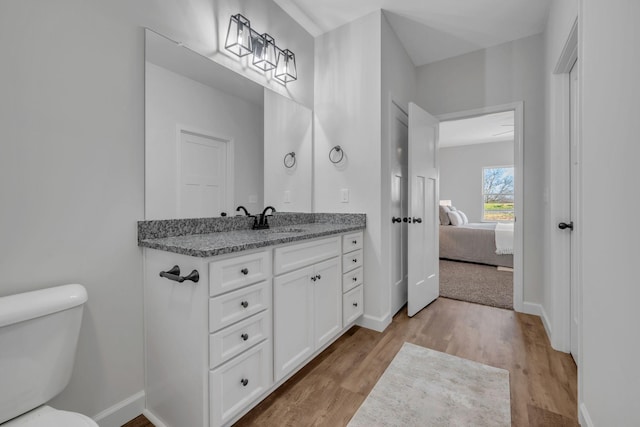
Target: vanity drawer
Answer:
pixel 352 260
pixel 292 257
pixel 352 279
pixel 352 305
pixel 231 341
pixel 352 241
pixel 230 308
pixel 239 382
pixel 233 273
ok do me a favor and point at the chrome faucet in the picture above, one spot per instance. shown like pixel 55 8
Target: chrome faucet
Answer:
pixel 263 223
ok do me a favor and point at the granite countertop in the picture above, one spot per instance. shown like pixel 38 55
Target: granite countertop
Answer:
pixel 225 242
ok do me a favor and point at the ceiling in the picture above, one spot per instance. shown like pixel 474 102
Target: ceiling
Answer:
pixel 477 130
pixel 430 30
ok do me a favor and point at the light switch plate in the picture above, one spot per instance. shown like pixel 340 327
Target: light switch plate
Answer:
pixel 344 195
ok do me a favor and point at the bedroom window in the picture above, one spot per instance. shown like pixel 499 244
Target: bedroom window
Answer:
pixel 497 194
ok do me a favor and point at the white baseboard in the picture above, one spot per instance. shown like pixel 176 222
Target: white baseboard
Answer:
pixel 376 323
pixel 154 420
pixel 122 412
pixel 531 308
pixel 583 416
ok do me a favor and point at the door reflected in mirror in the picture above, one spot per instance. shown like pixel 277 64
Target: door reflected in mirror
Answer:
pixel 215 139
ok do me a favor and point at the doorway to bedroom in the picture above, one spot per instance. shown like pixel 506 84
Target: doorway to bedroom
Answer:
pixel 480 199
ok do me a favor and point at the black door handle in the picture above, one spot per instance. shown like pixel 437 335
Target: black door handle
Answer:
pixel 395 219
pixel 564 225
pixel 418 220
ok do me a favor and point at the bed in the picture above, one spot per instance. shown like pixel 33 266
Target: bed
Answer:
pixel 473 242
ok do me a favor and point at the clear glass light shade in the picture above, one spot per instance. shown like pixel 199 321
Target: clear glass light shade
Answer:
pixel 239 40
pixel 286 66
pixel 264 52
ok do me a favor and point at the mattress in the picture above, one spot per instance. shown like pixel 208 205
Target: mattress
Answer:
pixel 473 242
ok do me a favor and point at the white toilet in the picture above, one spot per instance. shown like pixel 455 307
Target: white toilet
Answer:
pixel 38 337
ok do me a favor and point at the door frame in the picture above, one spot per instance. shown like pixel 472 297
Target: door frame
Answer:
pixel 518 154
pixel 230 184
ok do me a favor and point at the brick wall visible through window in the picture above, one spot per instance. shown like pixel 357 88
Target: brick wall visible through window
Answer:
pixel 497 193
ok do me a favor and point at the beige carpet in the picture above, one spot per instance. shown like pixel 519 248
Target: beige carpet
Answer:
pixel 423 387
pixel 482 284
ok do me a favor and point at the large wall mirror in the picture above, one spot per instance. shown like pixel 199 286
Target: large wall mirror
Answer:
pixel 215 140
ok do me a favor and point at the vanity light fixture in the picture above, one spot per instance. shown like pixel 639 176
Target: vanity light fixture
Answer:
pixel 286 67
pixel 242 40
pixel 264 52
pixel 239 40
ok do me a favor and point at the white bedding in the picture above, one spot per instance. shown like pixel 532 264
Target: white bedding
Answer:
pixel 504 238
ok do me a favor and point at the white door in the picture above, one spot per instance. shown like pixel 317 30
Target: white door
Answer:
pixel 292 320
pixel 327 293
pixel 575 271
pixel 203 189
pixel 423 267
pixel 398 168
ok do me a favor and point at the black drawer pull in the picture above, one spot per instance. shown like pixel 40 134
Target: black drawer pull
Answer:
pixel 355 304
pixel 244 382
pixel 355 260
pixel 244 336
pixel 244 271
pixel 244 304
pixel 314 278
pixel 319 277
pixel 355 242
pixel 355 279
pixel 174 274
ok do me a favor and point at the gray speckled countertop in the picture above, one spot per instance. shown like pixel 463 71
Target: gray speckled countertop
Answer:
pixel 225 242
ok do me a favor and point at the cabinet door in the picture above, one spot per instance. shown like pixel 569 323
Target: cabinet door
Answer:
pixel 328 301
pixel 292 320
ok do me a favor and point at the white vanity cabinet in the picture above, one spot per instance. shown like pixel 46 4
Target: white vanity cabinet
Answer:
pixel 217 347
pixel 307 302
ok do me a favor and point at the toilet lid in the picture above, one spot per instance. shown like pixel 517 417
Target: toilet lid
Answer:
pixel 46 416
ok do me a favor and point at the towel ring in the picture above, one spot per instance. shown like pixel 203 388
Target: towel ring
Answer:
pixel 289 160
pixel 339 150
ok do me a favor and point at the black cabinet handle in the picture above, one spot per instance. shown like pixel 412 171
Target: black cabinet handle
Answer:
pixel 244 382
pixel 395 219
pixel 244 304
pixel 174 274
pixel 418 220
pixel 355 260
pixel 355 279
pixel 319 277
pixel 314 278
pixel 355 242
pixel 244 336
pixel 244 271
pixel 355 304
pixel 564 225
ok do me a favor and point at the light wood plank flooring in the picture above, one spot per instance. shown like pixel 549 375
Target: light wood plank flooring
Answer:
pixel 329 390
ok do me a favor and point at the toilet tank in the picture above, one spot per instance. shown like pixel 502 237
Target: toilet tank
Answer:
pixel 38 337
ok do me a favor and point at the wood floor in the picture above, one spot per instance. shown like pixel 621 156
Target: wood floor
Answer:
pixel 329 390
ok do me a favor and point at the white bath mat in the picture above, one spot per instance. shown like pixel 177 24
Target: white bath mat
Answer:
pixel 423 387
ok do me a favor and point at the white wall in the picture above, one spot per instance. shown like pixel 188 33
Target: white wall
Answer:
pixel 288 127
pixel 461 173
pixel 610 152
pixel 399 85
pixel 347 113
pixel 173 100
pixel 71 163
pixel 562 16
pixel 502 74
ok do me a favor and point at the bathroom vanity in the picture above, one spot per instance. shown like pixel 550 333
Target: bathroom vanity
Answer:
pixel 265 303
